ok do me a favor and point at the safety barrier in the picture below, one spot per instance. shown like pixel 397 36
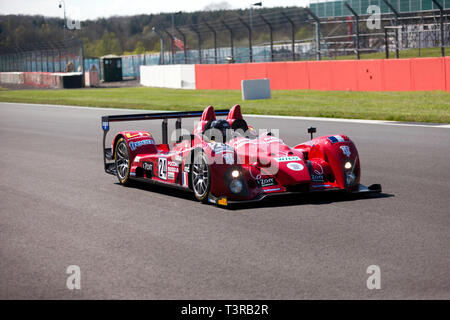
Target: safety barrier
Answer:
pixel 415 74
pixel 11 77
pixel 43 79
pixel 177 76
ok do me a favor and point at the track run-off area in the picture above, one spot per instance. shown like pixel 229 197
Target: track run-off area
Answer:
pixel 59 208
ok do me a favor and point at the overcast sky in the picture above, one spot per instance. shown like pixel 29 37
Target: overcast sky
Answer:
pixel 91 9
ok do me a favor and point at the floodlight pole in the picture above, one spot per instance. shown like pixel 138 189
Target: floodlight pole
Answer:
pixel 231 38
pixel 64 9
pixel 292 34
pixel 271 35
pixel 312 14
pixel 357 27
pixel 251 12
pixel 441 10
pixel 215 39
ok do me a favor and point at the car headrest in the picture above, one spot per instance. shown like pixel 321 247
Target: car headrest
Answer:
pixel 208 114
pixel 239 124
pixel 235 113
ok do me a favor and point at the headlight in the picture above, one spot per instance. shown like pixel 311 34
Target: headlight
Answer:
pixel 235 173
pixel 236 186
pixel 350 179
pixel 348 165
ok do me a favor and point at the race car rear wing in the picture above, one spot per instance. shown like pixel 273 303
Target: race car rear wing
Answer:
pixel 164 116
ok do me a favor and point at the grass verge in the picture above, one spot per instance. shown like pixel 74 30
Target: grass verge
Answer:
pixel 419 106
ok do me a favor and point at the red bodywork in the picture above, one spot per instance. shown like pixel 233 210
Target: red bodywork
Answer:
pixel 266 164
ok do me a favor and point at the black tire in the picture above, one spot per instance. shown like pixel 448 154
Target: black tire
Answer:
pixel 122 159
pixel 201 176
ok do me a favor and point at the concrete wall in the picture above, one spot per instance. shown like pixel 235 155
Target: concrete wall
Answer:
pixel 169 76
pixel 11 77
pixel 415 74
pixel 41 79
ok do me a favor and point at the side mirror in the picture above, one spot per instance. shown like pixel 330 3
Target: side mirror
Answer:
pixel 312 130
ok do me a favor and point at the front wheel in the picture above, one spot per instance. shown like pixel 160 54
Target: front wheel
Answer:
pixel 201 177
pixel 122 159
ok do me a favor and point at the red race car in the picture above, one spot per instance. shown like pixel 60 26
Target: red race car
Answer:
pixel 224 161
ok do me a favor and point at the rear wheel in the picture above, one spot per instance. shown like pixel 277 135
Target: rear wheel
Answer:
pixel 201 177
pixel 122 158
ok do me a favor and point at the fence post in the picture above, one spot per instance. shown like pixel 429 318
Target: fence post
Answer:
pixel 357 27
pixel 441 20
pixel 184 44
pixel 171 46
pixel 292 34
pixel 215 40
pixel 161 41
pixel 199 40
pixel 396 15
pixel 271 35
pixel 386 43
pixel 419 42
pixel 318 55
pixel 231 39
pixel 249 38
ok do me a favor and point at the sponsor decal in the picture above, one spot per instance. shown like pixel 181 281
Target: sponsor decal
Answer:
pixel 147 166
pixel 228 157
pixel 317 178
pixel 346 150
pixel 185 179
pixel 186 168
pixel 273 189
pixel 105 125
pixel 271 139
pixel 222 201
pixel 171 175
pixel 220 147
pixel 334 139
pixel 173 167
pixel 162 168
pixel 137 135
pixel 321 185
pixel 137 144
pixel 133 174
pixel 317 175
pixel 294 166
pixel 266 182
pixel 287 159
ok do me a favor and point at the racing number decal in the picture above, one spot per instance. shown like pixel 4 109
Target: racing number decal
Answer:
pixel 162 168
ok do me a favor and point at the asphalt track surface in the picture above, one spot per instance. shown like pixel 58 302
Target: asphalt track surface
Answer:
pixel 59 208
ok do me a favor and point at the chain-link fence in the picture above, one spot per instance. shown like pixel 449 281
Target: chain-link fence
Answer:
pixel 56 56
pixel 280 35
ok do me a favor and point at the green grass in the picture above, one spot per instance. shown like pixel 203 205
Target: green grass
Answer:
pixel 409 53
pixel 429 106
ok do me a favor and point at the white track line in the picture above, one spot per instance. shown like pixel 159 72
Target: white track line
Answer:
pixel 360 121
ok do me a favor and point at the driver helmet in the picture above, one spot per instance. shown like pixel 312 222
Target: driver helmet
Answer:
pixel 222 126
